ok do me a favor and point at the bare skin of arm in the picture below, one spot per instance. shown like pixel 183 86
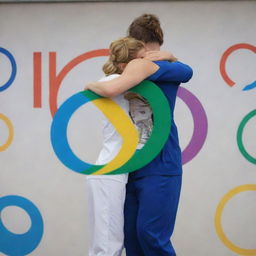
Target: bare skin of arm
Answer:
pixel 136 71
pixel 160 55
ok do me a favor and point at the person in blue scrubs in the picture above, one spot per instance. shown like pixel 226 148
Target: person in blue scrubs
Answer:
pixel 152 192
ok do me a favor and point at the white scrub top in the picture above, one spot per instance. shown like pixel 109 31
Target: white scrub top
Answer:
pixel 112 141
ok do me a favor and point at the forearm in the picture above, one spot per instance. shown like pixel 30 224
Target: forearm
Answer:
pixel 114 87
pixel 173 71
pixel 97 87
pixel 160 55
pixel 135 72
pixel 184 72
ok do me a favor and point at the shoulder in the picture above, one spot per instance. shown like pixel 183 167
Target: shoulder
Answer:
pixel 142 65
pixel 108 78
pixel 141 62
pixel 165 65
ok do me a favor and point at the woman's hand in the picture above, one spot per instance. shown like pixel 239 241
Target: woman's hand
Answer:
pixel 159 55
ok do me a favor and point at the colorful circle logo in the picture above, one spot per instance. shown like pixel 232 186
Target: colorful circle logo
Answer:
pixel 128 159
pixel 199 116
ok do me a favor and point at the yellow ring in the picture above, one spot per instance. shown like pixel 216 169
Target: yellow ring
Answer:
pixel 124 126
pixel 218 214
pixel 11 132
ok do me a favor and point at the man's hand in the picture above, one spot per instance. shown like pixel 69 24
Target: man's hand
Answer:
pixel 160 55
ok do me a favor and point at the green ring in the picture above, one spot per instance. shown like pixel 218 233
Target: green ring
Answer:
pixel 161 127
pixel 159 135
pixel 239 137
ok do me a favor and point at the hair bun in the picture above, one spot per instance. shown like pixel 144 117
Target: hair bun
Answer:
pixel 149 21
pixel 147 29
pixel 109 68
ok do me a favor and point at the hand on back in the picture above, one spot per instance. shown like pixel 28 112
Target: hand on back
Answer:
pixel 160 55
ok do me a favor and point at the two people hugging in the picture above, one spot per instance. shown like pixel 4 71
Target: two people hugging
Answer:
pixel 137 211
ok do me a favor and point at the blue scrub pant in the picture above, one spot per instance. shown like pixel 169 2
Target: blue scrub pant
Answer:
pixel 150 211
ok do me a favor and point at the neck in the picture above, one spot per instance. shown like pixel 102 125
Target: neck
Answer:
pixel 152 47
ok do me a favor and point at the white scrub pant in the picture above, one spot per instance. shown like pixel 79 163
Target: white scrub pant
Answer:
pixel 106 216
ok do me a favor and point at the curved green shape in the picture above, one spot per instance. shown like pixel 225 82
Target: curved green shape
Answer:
pixel 161 127
pixel 159 135
pixel 240 134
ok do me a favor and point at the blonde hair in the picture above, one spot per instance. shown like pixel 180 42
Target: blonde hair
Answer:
pixel 122 50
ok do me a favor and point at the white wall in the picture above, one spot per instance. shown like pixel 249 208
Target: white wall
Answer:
pixel 198 33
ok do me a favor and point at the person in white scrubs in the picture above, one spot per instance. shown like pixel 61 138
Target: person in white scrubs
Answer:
pixel 106 193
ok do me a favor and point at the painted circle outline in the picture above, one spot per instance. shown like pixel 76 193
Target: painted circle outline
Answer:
pixel 217 220
pixel 59 126
pixel 21 244
pixel 159 135
pixel 225 57
pixel 194 146
pixel 200 124
pixel 11 132
pixel 14 69
pixel 239 139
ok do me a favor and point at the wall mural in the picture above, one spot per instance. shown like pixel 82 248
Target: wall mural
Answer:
pixel 247 187
pixel 22 244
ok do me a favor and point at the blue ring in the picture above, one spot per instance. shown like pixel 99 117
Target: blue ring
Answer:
pixel 14 69
pixel 59 138
pixel 21 244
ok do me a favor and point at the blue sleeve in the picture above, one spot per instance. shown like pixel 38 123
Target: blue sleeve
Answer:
pixel 171 71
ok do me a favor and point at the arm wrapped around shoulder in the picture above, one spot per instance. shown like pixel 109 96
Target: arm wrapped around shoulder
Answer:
pixel 186 71
pixel 172 72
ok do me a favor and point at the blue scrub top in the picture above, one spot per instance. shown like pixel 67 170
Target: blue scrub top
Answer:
pixel 168 162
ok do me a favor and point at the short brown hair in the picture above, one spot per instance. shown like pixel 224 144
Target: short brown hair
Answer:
pixel 147 29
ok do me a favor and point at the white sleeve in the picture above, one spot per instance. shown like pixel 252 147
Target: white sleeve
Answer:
pixel 108 78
